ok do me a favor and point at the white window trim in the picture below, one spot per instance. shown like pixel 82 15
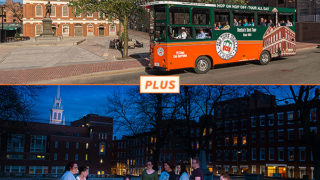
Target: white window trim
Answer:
pixel 55 11
pixel 281 130
pixel 91 15
pixel 291 149
pixel 67 11
pixel 300 150
pixel 289 130
pixel 262 116
pixel 35 8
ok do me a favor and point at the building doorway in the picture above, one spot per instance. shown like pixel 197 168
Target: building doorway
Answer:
pixel 112 30
pixel 101 30
pixel 77 30
pixel 54 30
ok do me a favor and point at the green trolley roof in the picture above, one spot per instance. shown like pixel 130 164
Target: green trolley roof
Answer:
pixel 226 6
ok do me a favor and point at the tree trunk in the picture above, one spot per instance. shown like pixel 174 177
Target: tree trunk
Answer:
pixel 125 31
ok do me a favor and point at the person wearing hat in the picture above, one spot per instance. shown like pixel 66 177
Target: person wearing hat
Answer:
pixel 183 34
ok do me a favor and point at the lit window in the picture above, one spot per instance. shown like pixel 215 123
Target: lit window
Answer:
pixel 244 140
pixel 101 161
pixel 235 140
pixel 151 139
pixel 98 172
pixel 226 141
pixel 86 157
pixel 198 145
pixel 87 145
pixel 102 172
pixel 101 148
pixel 204 132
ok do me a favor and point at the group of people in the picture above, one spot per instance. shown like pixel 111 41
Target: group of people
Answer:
pixel 182 173
pixel 219 26
pixel 265 22
pixel 72 169
pixel 243 23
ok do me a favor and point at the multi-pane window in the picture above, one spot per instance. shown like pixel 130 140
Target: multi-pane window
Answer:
pixel 301 133
pixel 291 153
pixel 226 155
pixel 39 10
pixel 262 120
pixel 76 157
pixel 313 130
pixel 38 170
pixel 271 136
pixel 38 143
pixel 234 125
pixel 15 143
pixel 281 135
pixel 290 134
pixel 281 154
pixel 262 153
pixel 244 140
pixel 290 117
pixel 65 11
pixel 38 29
pixel 271 154
pixel 235 140
pixel 313 114
pixel 102 148
pixel 15 169
pixel 271 119
pixel 280 118
pixel 253 121
pixel 219 155
pixel 57 169
pixel 302 153
pixel 221 20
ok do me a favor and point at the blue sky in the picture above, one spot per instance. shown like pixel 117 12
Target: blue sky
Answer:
pixel 77 101
pixel 4 1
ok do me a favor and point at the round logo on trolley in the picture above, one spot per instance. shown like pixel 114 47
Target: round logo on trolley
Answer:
pixel 227 46
pixel 160 51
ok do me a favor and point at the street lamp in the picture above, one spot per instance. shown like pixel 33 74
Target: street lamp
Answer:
pixel 2 29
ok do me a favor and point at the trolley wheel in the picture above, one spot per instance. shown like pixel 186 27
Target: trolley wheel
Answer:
pixel 265 58
pixel 203 65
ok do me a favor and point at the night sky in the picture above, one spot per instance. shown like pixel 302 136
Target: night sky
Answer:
pixel 77 101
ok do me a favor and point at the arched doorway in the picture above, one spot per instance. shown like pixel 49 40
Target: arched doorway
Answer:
pixel 90 30
pixel 101 30
pixel 78 30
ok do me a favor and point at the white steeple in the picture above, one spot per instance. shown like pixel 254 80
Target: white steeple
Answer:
pixel 56 115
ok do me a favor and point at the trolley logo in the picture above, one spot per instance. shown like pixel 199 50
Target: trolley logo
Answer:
pixel 160 51
pixel 227 46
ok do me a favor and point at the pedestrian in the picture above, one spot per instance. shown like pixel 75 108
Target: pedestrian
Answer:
pixel 127 177
pixel 182 172
pixel 197 173
pixel 225 176
pixel 83 173
pixel 70 170
pixel 168 173
pixel 149 173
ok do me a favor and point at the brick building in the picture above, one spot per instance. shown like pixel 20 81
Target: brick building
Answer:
pixel 65 23
pixel 31 148
pixel 251 134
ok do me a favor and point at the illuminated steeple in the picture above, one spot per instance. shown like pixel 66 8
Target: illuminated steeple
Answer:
pixel 56 115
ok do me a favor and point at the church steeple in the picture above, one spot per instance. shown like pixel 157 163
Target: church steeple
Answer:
pixel 56 115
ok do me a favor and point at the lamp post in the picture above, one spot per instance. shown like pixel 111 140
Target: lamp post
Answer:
pixel 2 15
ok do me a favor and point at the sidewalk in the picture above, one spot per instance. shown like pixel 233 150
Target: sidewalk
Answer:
pixel 89 57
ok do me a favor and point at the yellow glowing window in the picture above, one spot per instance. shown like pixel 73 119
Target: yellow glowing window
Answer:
pixel 210 131
pixel 128 161
pixel 87 145
pixel 101 161
pixel 204 132
pixel 102 172
pixel 86 157
pixel 244 140
pixel 38 156
pixel 210 169
pixel 155 140
pixel 198 145
pixel 235 140
pixel 134 162
pixel 82 125
pixel 102 148
pixel 151 139
pixel 98 172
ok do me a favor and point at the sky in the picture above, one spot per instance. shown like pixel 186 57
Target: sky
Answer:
pixel 77 101
pixel 4 1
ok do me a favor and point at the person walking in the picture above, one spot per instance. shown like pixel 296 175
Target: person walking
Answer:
pixel 197 173
pixel 83 173
pixel 149 173
pixel 69 172
pixel 182 172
